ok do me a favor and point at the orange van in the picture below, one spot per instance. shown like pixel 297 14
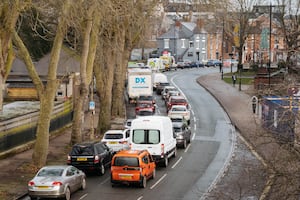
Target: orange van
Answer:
pixel 132 167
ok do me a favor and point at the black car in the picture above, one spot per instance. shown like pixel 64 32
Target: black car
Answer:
pixel 91 156
pixel 182 133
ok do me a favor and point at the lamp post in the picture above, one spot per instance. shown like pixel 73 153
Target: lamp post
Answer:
pixel 270 43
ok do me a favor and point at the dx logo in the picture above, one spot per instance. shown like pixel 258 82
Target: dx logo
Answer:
pixel 140 80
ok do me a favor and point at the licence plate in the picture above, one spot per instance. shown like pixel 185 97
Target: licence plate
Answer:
pixel 125 176
pixel 113 142
pixel 42 187
pixel 81 159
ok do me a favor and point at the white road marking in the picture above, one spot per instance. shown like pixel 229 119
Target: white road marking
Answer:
pixel 83 196
pixel 176 162
pixel 157 182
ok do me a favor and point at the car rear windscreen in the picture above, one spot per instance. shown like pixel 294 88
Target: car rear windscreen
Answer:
pixel 129 161
pixel 113 136
pixel 141 136
pixel 82 150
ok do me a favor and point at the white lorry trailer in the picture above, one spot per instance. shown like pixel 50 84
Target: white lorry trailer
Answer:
pixel 139 83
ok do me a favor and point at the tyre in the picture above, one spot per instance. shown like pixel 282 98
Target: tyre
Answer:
pixel 154 174
pixel 67 194
pixel 184 145
pixel 101 170
pixel 83 184
pixel 175 152
pixel 166 161
pixel 144 182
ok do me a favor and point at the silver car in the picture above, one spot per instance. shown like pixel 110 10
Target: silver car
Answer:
pixel 57 181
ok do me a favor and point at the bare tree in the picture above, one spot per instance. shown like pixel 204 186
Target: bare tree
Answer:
pixel 290 23
pixel 46 92
pixel 9 14
pixel 89 19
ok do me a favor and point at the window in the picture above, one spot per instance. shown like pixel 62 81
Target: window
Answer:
pixel 183 43
pixel 166 43
pixel 145 159
pixel 130 161
pixel 113 136
pixel 140 136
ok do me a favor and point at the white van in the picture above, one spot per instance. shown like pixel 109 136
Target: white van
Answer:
pixel 155 134
pixel 159 78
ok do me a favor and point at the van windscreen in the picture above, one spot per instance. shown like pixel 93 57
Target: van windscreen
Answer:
pixel 141 136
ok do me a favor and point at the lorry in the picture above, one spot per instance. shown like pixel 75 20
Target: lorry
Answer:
pixel 139 82
pixel 161 64
pixel 155 134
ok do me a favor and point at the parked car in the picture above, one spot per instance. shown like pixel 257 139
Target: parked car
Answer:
pixel 180 110
pixel 57 181
pixel 132 166
pixel 184 64
pixel 160 86
pixel 90 156
pixel 196 64
pixel 213 63
pixel 176 100
pixel 116 139
pixel 183 134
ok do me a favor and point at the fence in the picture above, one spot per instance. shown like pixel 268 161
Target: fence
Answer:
pixel 22 129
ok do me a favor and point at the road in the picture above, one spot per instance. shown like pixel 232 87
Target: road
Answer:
pixel 196 169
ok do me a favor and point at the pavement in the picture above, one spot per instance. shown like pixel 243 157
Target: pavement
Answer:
pixel 16 171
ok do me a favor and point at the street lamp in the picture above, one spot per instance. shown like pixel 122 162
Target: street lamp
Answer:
pixel 270 43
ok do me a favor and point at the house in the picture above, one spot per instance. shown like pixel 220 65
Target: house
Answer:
pixel 184 42
pixel 19 85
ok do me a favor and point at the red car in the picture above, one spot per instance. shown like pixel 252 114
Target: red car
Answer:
pixel 176 100
pixel 144 105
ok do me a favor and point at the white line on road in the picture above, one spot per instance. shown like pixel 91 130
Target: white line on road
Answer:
pixel 176 162
pixel 187 148
pixel 105 180
pixel 83 196
pixel 157 182
pixel 141 197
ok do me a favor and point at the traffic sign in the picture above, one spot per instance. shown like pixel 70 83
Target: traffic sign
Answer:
pixel 92 105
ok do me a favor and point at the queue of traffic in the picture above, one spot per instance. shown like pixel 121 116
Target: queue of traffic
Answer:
pixel 133 153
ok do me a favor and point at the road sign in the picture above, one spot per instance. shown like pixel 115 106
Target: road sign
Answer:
pixel 92 105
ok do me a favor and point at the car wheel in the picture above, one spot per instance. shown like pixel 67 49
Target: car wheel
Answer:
pixel 175 152
pixel 153 173
pixel 184 144
pixel 83 184
pixel 67 194
pixel 102 169
pixel 144 182
pixel 166 161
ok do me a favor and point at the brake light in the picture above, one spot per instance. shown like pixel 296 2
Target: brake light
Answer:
pixel 57 183
pixel 162 148
pixel 30 183
pixel 123 142
pixel 96 160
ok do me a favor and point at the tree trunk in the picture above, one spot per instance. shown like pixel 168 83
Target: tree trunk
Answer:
pixel 118 107
pixel 104 72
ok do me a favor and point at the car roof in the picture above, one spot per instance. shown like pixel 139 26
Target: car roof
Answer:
pixel 177 97
pixel 114 131
pixel 180 106
pixel 130 152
